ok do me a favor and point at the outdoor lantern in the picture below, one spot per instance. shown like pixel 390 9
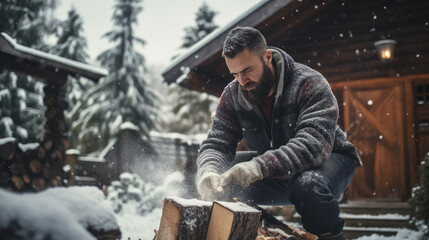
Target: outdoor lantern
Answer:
pixel 385 49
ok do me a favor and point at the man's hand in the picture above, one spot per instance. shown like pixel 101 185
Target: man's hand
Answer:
pixel 243 174
pixel 208 187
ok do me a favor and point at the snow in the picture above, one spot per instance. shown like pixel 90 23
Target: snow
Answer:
pixel 389 216
pixel 28 146
pixel 72 152
pixel 128 125
pixel 134 226
pixel 6 140
pixel 80 207
pixel 402 234
pixel 238 207
pixel 52 57
pixel 57 213
pixel 188 138
pixel 190 202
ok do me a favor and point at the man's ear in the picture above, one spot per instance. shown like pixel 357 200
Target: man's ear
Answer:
pixel 268 57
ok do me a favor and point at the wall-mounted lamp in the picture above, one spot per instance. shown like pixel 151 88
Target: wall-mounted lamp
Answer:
pixel 385 49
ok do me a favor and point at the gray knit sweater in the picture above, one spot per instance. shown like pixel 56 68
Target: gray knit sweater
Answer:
pixel 304 125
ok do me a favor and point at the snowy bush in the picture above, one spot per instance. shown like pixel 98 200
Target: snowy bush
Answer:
pixel 420 199
pixel 132 194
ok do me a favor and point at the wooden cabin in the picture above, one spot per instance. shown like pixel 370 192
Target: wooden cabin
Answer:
pixel 384 105
pixel 41 165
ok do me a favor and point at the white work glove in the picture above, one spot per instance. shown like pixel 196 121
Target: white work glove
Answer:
pixel 243 174
pixel 208 187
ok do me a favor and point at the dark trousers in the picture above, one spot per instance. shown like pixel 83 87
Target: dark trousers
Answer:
pixel 314 193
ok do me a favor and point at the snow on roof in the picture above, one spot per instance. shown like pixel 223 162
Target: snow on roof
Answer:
pixel 56 213
pixel 210 37
pixel 54 58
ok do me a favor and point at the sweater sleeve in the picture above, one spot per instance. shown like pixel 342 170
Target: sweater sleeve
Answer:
pixel 217 151
pixel 314 133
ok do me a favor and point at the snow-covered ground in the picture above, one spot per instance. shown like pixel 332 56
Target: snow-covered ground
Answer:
pixel 132 205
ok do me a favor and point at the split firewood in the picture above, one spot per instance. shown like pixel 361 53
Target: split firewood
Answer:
pixel 38 184
pixel 265 233
pixel 17 181
pixel 26 178
pixel 41 152
pixel 48 144
pixel 230 221
pixel 8 149
pixel 184 219
pixel 35 166
pixel 17 168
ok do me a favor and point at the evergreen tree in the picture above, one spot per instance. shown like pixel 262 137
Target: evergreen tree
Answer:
pixel 72 45
pixel 420 199
pixel 192 110
pixel 124 95
pixel 204 20
pixel 21 97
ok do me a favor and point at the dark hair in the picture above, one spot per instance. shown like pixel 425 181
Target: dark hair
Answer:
pixel 241 38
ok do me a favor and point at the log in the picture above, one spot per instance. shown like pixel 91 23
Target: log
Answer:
pixel 26 178
pixel 184 219
pixel 233 221
pixel 7 150
pixel 35 166
pixel 17 168
pixel 48 144
pixel 41 152
pixel 38 184
pixel 18 182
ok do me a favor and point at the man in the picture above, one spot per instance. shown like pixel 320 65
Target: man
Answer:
pixel 286 112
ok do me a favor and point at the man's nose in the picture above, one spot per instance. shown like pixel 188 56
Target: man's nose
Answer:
pixel 242 79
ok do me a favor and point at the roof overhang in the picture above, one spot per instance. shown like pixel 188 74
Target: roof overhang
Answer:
pixel 188 69
pixel 42 65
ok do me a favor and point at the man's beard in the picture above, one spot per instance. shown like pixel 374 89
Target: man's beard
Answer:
pixel 261 90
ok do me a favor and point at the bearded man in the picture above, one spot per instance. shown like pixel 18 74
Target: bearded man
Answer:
pixel 286 113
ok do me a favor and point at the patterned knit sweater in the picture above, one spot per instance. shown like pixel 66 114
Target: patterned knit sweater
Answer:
pixel 303 123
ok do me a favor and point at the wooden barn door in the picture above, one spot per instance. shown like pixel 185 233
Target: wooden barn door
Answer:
pixel 374 122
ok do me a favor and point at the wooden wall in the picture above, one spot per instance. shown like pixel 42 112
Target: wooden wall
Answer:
pixel 339 40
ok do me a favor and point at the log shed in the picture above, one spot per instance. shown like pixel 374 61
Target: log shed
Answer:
pixel 41 165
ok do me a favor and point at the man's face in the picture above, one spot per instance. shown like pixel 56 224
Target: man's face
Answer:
pixel 255 77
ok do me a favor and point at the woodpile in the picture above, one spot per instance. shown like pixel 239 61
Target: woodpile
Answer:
pixel 30 167
pixel 195 219
pixel 33 167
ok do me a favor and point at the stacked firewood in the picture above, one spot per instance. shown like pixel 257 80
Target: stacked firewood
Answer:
pixel 33 168
pixel 24 168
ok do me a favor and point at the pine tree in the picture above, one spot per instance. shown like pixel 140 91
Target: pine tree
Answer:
pixel 21 97
pixel 192 110
pixel 72 44
pixel 420 199
pixel 124 95
pixel 204 20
